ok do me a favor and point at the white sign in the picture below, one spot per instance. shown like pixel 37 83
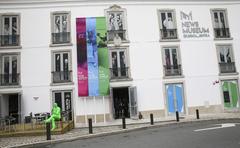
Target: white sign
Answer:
pixel 191 28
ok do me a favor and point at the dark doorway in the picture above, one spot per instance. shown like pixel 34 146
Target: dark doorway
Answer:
pixel 121 102
pixel 64 101
pixel 13 107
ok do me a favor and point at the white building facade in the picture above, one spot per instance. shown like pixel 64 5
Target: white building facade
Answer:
pixel 163 56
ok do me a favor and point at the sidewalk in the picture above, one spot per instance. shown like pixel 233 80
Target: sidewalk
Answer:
pixel 114 127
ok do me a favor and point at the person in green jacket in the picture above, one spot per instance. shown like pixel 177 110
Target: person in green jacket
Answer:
pixel 56 115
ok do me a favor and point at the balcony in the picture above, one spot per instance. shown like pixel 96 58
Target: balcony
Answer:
pixel 61 38
pixel 221 33
pixel 119 73
pixel 227 67
pixel 62 76
pixel 168 34
pixel 10 40
pixel 173 70
pixel 121 34
pixel 9 79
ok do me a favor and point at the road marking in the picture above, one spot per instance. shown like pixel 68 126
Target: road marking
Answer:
pixel 225 125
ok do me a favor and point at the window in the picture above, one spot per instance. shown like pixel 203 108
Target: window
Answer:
pixel 62 72
pixel 171 60
pixel 168 27
pixel 225 58
pixel 220 23
pixel 116 23
pixel 10 28
pixel 61 28
pixel 10 70
pixel 119 64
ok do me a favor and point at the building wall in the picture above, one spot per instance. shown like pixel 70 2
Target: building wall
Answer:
pixel 198 55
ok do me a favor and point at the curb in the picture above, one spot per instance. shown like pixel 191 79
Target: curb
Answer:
pixel 145 126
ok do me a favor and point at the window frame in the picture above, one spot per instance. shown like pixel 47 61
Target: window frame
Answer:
pixel 218 47
pixel 60 13
pixel 116 9
pixel 226 22
pixel 10 55
pixel 125 49
pixel 174 17
pixel 18 32
pixel 179 60
pixel 53 65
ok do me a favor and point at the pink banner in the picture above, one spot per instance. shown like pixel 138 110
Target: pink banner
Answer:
pixel 82 57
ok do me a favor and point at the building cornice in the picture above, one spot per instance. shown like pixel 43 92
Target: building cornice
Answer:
pixel 20 4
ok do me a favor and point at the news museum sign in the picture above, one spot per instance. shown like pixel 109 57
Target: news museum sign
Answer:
pixel 191 28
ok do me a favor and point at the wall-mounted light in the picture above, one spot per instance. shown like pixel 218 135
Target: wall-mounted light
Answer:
pixel 35 98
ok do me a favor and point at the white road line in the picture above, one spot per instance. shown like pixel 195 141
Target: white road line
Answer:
pixel 225 125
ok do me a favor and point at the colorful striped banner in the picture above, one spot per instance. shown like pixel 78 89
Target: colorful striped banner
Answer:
pixel 93 67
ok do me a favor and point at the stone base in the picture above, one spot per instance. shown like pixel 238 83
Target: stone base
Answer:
pixel 205 110
pixel 99 118
pixel 156 113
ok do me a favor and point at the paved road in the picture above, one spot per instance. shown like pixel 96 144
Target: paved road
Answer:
pixel 174 136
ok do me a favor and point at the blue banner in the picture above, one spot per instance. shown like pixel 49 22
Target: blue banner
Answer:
pixel 92 57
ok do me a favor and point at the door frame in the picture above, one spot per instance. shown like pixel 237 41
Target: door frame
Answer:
pixel 111 103
pixel 222 97
pixel 62 91
pixel 185 108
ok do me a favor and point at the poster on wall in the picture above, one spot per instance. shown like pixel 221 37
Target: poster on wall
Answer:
pixel 92 57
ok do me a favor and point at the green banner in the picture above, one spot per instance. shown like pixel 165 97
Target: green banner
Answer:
pixel 103 63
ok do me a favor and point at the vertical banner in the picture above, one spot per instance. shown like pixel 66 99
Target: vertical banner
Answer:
pixel 82 57
pixel 103 63
pixel 92 56
pixel 92 53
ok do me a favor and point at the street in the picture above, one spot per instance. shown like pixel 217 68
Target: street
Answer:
pixel 191 135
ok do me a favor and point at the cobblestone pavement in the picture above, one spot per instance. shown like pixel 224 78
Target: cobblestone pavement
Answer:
pixel 113 127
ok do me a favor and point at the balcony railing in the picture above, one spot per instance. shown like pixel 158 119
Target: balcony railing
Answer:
pixel 173 70
pixel 62 76
pixel 227 67
pixel 10 40
pixel 119 73
pixel 9 79
pixel 168 34
pixel 61 38
pixel 121 34
pixel 221 32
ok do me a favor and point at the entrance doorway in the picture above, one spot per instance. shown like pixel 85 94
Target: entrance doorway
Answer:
pixel 10 107
pixel 121 102
pixel 124 102
pixel 13 106
pixel 64 101
pixel 230 94
pixel 175 98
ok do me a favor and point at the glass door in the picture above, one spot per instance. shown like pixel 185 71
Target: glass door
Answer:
pixel 230 94
pixel 175 98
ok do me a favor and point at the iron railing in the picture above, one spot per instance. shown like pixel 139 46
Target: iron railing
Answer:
pixel 167 34
pixel 121 34
pixel 62 76
pixel 119 73
pixel 9 79
pixel 61 38
pixel 221 32
pixel 227 67
pixel 10 40
pixel 173 70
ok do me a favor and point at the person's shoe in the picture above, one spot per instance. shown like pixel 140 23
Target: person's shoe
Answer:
pixel 53 128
